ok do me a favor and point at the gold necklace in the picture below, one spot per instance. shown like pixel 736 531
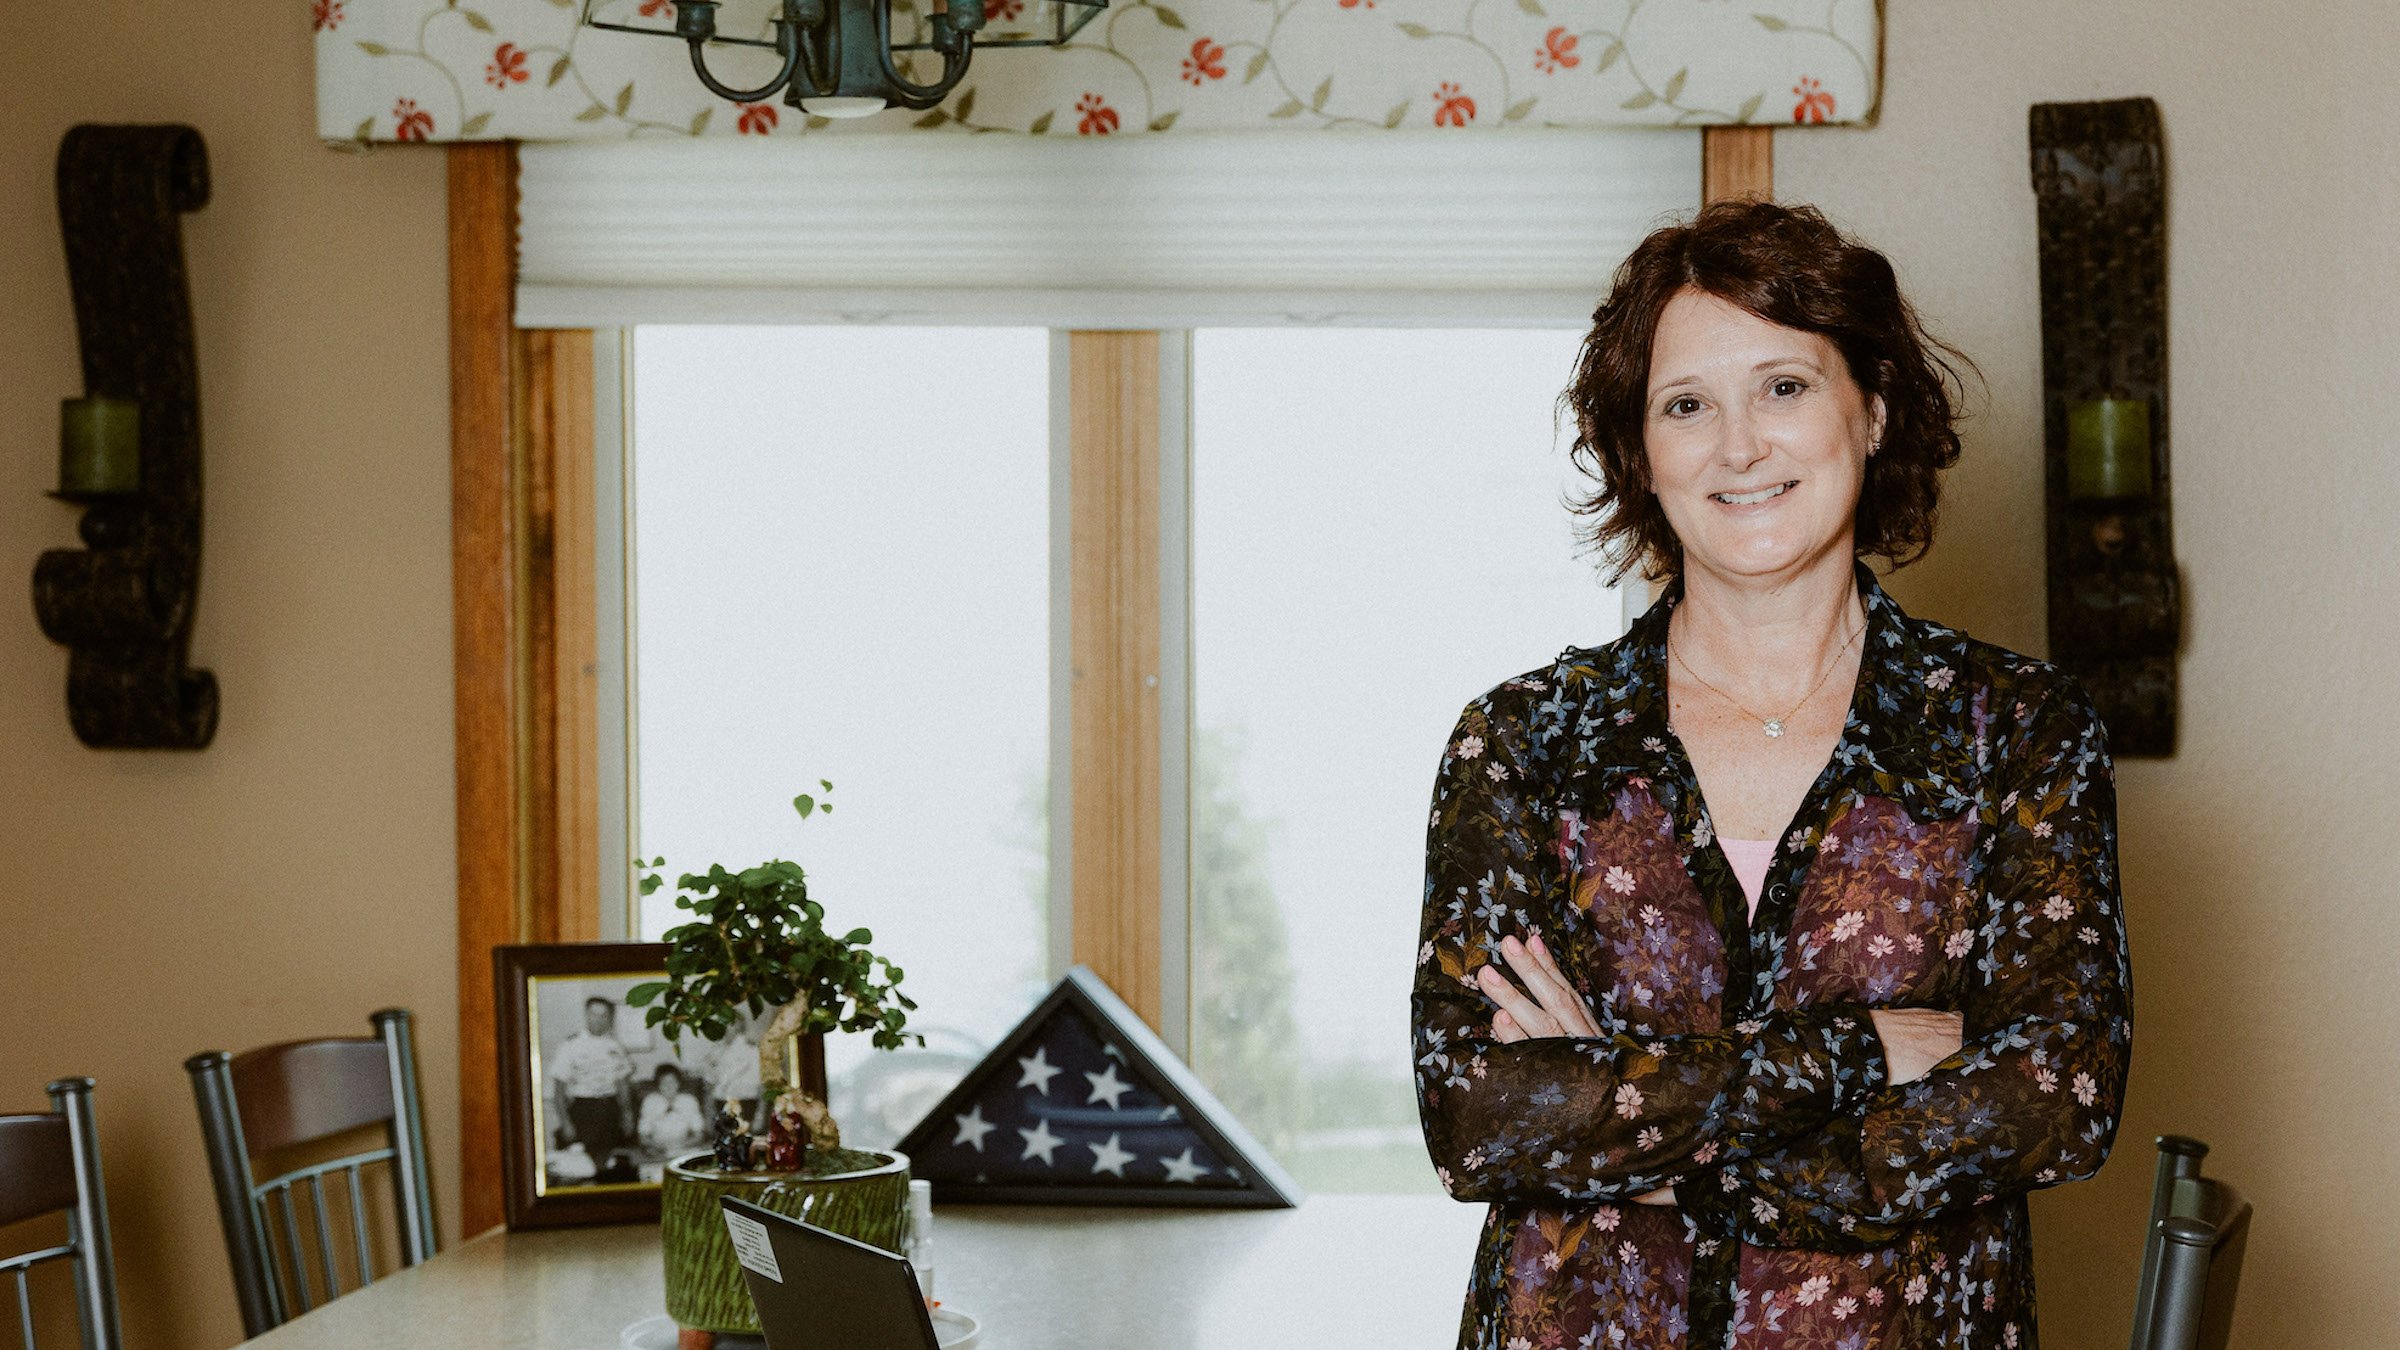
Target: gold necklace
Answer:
pixel 1773 726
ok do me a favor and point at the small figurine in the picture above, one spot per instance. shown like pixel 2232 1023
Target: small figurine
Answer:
pixel 787 1134
pixel 800 1122
pixel 733 1138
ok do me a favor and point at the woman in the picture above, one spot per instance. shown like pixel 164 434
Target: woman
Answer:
pixel 671 1119
pixel 1772 952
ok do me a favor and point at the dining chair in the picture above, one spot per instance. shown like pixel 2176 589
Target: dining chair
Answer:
pixel 267 1101
pixel 2191 1254
pixel 49 1162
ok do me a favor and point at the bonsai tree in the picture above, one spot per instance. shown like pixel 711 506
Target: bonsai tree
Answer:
pixel 757 942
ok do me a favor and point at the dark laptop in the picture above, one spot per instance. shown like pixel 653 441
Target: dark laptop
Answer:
pixel 818 1290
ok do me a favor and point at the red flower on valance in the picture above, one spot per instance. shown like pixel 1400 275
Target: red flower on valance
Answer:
pixel 410 122
pixel 1557 52
pixel 651 9
pixel 1452 108
pixel 1207 62
pixel 325 14
pixel 507 67
pixel 1098 119
pixel 1816 102
pixel 757 119
pixel 1002 9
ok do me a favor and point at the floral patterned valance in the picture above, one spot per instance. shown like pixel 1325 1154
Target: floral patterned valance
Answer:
pixel 426 70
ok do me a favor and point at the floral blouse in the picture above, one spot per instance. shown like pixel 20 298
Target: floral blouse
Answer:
pixel 1957 852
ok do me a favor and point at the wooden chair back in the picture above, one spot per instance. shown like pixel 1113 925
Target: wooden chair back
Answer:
pixel 281 1097
pixel 49 1162
pixel 2191 1254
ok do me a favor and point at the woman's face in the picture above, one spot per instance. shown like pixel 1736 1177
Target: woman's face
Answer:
pixel 1757 438
pixel 669 1083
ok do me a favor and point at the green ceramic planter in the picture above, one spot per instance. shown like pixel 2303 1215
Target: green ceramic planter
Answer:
pixel 857 1194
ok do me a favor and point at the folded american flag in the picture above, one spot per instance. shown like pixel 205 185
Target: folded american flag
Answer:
pixel 1082 1103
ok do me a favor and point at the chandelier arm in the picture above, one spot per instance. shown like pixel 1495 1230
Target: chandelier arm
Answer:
pixel 785 42
pixel 954 63
pixel 830 50
pixel 812 58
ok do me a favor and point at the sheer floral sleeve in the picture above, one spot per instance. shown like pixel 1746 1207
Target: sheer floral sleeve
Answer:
pixel 2034 1097
pixel 1581 1119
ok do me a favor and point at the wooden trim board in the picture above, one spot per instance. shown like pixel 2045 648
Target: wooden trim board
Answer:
pixel 524 630
pixel 1737 162
pixel 561 668
pixel 482 190
pixel 1114 652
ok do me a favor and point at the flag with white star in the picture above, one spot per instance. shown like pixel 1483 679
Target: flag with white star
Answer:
pixel 1083 1104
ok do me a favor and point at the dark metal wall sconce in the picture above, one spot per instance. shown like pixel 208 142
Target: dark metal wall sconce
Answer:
pixel 129 450
pixel 2116 608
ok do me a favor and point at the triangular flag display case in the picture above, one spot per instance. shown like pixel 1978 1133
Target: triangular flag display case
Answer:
pixel 1082 1104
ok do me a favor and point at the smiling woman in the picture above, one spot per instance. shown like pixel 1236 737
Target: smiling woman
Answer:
pixel 1748 286
pixel 1729 390
pixel 1752 1009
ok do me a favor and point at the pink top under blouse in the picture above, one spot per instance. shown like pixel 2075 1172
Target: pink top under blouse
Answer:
pixel 1749 858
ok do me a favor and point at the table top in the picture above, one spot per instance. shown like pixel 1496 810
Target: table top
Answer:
pixel 1388 1272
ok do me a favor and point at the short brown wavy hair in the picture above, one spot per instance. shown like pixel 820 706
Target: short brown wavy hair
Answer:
pixel 1789 266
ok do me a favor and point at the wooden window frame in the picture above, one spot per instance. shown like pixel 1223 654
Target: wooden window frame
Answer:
pixel 525 632
pixel 524 635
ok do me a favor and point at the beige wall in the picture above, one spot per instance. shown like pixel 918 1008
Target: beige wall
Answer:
pixel 297 874
pixel 2259 875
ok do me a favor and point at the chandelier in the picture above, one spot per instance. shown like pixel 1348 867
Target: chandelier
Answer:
pixel 838 54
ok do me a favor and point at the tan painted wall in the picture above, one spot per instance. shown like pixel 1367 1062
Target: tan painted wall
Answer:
pixel 2258 868
pixel 298 874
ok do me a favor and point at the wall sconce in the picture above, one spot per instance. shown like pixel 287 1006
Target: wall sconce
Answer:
pixel 129 449
pixel 2115 593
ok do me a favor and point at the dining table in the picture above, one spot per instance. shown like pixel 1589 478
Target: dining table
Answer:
pixel 1388 1272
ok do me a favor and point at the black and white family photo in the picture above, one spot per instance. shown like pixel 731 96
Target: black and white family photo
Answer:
pixel 613 1100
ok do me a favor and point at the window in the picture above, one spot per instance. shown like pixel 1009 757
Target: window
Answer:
pixel 841 567
pixel 842 562
pixel 1377 537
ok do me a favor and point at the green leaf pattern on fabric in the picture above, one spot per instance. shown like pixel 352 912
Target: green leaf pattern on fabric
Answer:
pixel 1153 68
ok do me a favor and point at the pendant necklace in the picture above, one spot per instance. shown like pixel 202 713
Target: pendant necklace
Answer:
pixel 1773 726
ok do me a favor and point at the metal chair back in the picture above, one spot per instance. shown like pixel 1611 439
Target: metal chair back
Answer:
pixel 2191 1255
pixel 280 1097
pixel 50 1162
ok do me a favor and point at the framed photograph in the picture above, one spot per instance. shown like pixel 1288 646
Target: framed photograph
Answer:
pixel 593 1102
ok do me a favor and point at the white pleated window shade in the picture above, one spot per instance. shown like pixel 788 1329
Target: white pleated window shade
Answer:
pixel 1155 231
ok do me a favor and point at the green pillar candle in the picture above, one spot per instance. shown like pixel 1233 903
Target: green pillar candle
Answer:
pixel 2108 449
pixel 99 445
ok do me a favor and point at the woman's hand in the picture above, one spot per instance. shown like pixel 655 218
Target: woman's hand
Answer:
pixel 1916 1039
pixel 1547 1006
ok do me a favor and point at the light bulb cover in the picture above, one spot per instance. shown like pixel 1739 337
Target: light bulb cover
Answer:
pixel 843 105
